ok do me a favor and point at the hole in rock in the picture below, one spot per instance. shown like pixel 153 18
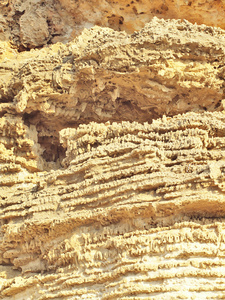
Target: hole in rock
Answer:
pixel 47 135
pixel 53 150
pixel 21 48
pixel 174 157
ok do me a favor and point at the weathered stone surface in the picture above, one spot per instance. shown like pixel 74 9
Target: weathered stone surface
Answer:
pixel 169 67
pixel 32 23
pixel 99 199
pixel 133 204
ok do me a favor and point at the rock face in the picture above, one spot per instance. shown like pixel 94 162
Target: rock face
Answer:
pixel 169 67
pixel 133 204
pixel 34 23
pixel 112 160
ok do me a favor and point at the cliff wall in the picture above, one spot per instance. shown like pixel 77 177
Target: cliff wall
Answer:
pixel 112 161
pixel 34 23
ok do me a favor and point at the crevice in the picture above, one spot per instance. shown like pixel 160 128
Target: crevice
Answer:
pixel 21 48
pixel 5 99
pixel 48 136
pixel 53 150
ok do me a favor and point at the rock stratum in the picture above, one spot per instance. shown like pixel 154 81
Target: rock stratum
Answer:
pixel 112 163
pixel 35 23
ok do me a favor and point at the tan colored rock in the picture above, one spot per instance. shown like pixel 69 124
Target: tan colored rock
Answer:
pixel 169 67
pixel 137 209
pixel 99 199
pixel 37 34
pixel 33 23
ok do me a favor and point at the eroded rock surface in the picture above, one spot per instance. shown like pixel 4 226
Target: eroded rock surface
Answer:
pixel 34 23
pixel 133 204
pixel 169 67
pixel 112 164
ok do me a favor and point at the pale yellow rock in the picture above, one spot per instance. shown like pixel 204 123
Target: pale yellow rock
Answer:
pixel 169 67
pixel 112 157
pixel 134 204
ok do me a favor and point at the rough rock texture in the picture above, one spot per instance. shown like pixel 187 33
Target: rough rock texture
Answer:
pixel 34 23
pixel 136 210
pixel 112 163
pixel 169 67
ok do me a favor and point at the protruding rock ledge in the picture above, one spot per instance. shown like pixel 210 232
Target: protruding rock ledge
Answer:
pixel 169 67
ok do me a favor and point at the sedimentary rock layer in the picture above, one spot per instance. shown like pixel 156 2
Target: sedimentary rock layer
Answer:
pixel 34 23
pixel 136 211
pixel 94 205
pixel 169 67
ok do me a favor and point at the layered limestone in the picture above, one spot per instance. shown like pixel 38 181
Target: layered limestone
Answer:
pixel 112 165
pixel 169 67
pixel 136 211
pixel 35 23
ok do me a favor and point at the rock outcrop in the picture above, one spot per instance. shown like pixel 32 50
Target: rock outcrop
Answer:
pixel 169 67
pixel 35 23
pixel 112 160
pixel 133 204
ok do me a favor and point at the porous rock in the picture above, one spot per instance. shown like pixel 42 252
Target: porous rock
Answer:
pixel 34 23
pixel 133 204
pixel 112 165
pixel 168 67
